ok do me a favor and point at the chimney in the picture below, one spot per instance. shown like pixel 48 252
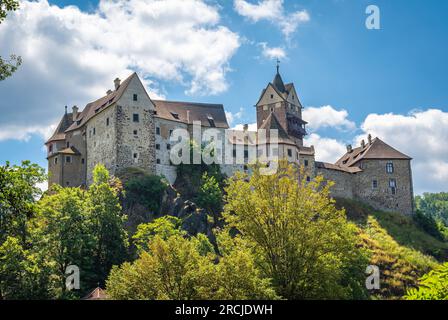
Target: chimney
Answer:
pixel 117 83
pixel 245 127
pixel 349 148
pixel 363 144
pixel 75 113
pixel 369 137
pixel 108 92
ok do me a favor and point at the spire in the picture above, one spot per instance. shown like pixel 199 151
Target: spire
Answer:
pixel 278 81
pixel 65 109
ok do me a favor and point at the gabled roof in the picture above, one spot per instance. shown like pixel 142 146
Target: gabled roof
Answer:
pixel 210 115
pixel 93 108
pixel 271 122
pixel 325 165
pixel 96 294
pixel 70 151
pixel 59 133
pixel 378 149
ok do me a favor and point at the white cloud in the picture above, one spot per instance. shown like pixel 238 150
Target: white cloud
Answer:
pixel 327 149
pixel 71 57
pixel 272 53
pixel 422 135
pixel 231 117
pixel 17 132
pixel 327 116
pixel 273 11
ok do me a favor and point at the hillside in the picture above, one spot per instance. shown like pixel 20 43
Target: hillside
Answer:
pixel 397 245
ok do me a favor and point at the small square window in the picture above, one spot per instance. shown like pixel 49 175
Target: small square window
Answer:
pixel 158 161
pixel 308 179
pixel 135 117
pixel 158 130
pixel 289 153
pixel 246 154
pixel 135 132
pixel 135 97
pixel 306 163
pixel 157 146
pixel 168 146
pixel 272 96
pixel 68 159
pixel 135 155
pixel 171 132
pixel 375 184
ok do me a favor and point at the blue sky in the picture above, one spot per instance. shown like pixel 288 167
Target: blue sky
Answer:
pixel 390 82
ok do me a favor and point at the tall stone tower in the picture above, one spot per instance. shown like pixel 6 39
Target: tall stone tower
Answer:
pixel 283 102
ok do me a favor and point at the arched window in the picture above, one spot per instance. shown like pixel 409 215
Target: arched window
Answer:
pixel 390 167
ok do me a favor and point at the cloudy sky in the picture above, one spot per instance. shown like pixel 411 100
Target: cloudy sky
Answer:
pixel 390 82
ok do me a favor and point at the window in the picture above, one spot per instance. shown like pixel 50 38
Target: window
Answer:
pixel 175 115
pixel 135 97
pixel 135 155
pixel 272 96
pixel 56 160
pixel 68 144
pixel 393 186
pixel 289 153
pixel 234 153
pixel 158 161
pixel 308 179
pixel 50 148
pixel 107 122
pixel 135 132
pixel 68 159
pixel 246 154
pixel 211 121
pixel 168 146
pixel 306 163
pixel 94 131
pixel 157 146
pixel 83 161
pixel 245 167
pixel 390 167
pixel 135 117
pixel 171 133
pixel 158 131
pixel 374 184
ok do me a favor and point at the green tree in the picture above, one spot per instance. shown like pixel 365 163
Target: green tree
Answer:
pixel 20 275
pixel 179 268
pixel 62 233
pixel 107 223
pixel 146 190
pixel 163 227
pixel 305 242
pixel 433 286
pixel 18 194
pixel 8 67
pixel 210 196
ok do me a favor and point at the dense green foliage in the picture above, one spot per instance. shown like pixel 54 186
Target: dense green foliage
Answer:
pixel 178 267
pixel 306 243
pixel 146 190
pixel 434 206
pixel 8 67
pixel 433 286
pixel 210 196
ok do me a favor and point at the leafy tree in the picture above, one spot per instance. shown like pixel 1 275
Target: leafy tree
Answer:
pixel 20 275
pixel 435 207
pixel 177 268
pixel 210 196
pixel 8 67
pixel 62 233
pixel 433 286
pixel 163 227
pixel 306 243
pixel 107 223
pixel 18 194
pixel 146 190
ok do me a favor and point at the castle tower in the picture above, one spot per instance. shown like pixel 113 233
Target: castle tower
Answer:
pixel 282 100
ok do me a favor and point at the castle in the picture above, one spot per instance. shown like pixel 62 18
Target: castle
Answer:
pixel 126 128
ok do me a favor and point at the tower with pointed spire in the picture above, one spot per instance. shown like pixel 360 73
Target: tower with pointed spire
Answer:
pixel 281 100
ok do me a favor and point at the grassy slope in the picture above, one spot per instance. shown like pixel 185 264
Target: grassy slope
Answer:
pixel 398 246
